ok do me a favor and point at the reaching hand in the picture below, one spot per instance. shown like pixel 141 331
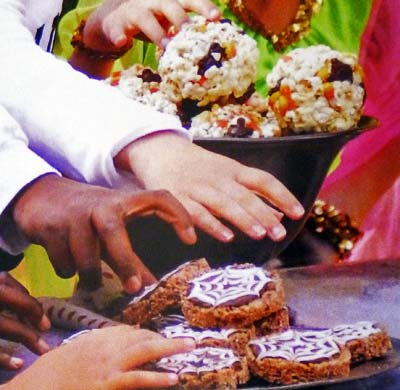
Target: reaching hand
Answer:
pixel 210 186
pixel 21 321
pixel 75 222
pixel 107 359
pixel 116 22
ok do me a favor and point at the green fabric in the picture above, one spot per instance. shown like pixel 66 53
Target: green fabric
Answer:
pixel 36 273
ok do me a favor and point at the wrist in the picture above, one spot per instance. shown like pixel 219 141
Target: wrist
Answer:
pixel 139 154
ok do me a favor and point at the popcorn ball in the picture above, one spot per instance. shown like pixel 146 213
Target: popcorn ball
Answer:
pixel 206 61
pixel 232 120
pixel 316 89
pixel 142 84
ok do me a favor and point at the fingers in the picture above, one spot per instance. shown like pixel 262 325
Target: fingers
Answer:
pixel 13 330
pixel 112 232
pixel 204 220
pixel 202 7
pixel 267 220
pixel 272 189
pixel 150 27
pixel 9 362
pixel 166 207
pixel 156 348
pixel 19 301
pixel 60 256
pixel 85 249
pixel 142 380
pixel 224 205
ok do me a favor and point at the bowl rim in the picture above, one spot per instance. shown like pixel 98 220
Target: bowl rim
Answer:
pixel 365 123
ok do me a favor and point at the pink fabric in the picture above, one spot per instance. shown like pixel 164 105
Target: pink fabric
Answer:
pixel 380 58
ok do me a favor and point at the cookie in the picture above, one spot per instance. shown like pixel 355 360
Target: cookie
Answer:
pixel 164 294
pixel 273 323
pixel 232 297
pixel 175 326
pixel 298 356
pixel 206 368
pixel 365 340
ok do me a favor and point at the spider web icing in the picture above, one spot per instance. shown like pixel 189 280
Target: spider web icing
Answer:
pixel 297 346
pixel 199 361
pixel 228 285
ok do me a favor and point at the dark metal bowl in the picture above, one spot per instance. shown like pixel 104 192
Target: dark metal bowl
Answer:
pixel 301 162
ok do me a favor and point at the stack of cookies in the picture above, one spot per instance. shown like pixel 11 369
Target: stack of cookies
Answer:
pixel 238 319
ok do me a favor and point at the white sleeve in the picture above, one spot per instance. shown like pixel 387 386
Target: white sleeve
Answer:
pixel 75 123
pixel 19 166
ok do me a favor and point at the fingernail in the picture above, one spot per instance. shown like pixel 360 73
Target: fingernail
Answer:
pixel 119 40
pixel 173 379
pixel 133 284
pixel 298 210
pixel 43 346
pixel 189 343
pixel 259 231
pixel 190 232
pixel 164 42
pixel 278 232
pixel 45 323
pixel 214 13
pixel 227 235
pixel 16 363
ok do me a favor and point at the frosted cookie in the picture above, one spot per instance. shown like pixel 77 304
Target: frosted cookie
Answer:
pixel 316 89
pixel 273 323
pixel 206 61
pixel 206 368
pixel 142 84
pixel 297 356
pixel 235 296
pixel 175 326
pixel 164 294
pixel 365 340
pixel 236 121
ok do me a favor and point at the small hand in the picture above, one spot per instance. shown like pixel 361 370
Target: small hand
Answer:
pixel 210 185
pixel 21 321
pixel 107 359
pixel 116 22
pixel 76 222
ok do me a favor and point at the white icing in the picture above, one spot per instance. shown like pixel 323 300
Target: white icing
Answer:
pixel 149 289
pixel 144 293
pixel 221 286
pixel 197 334
pixel 359 330
pixel 199 361
pixel 297 346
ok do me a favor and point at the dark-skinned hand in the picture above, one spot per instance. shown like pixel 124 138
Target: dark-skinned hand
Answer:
pixel 21 320
pixel 80 224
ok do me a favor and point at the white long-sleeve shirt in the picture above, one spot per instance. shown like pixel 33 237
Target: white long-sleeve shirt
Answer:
pixel 74 123
pixel 19 166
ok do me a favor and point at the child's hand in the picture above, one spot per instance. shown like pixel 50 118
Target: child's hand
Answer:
pixel 107 359
pixel 116 22
pixel 212 186
pixel 77 222
pixel 21 321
